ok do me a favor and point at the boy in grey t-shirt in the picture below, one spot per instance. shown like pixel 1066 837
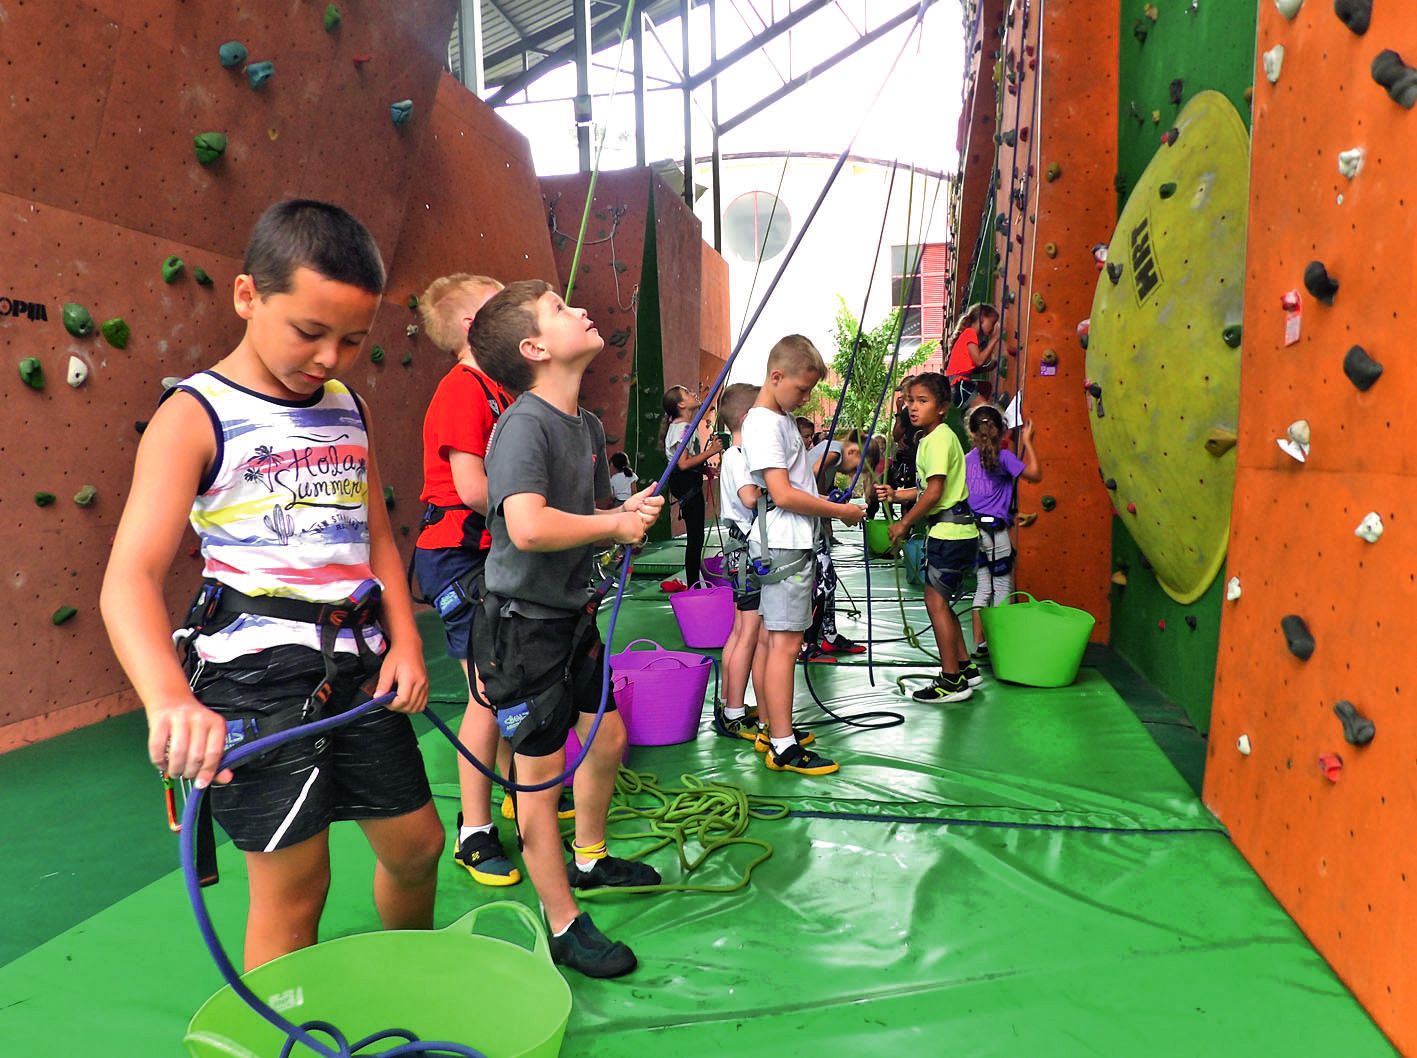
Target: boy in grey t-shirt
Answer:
pixel 535 642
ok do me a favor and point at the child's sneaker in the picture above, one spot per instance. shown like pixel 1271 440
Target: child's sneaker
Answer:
pixel 669 587
pixel 945 688
pixel 565 808
pixel 736 727
pixel 981 653
pixel 585 949
pixel 762 743
pixel 483 857
pixel 611 871
pixel 839 644
pixel 972 675
pixel 811 653
pixel 802 761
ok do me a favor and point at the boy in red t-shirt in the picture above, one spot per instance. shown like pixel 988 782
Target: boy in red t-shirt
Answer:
pixel 453 541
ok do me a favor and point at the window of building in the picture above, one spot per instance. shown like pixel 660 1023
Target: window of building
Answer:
pixel 924 298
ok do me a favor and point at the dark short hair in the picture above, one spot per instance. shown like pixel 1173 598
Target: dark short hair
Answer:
pixel 802 421
pixel 620 461
pixel 303 233
pixel 936 383
pixel 499 327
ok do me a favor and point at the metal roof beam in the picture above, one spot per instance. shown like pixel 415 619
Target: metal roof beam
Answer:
pixel 774 31
pixel 604 33
pixel 798 81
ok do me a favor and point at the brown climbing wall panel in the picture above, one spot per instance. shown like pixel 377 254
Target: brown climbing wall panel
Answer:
pixel 715 342
pixel 606 291
pixel 98 184
pixel 1338 855
pixel 975 143
pixel 1064 554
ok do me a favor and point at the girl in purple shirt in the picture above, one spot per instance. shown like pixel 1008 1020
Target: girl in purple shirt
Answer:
pixel 990 471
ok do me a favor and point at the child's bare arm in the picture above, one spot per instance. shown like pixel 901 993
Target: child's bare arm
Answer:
pixel 403 666
pixel 470 479
pixel 925 499
pixel 534 526
pixel 788 498
pixel 748 496
pixel 184 738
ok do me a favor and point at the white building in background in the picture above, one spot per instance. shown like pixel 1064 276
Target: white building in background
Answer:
pixel 767 200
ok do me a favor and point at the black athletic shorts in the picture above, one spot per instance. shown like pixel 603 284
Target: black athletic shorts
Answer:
pixel 368 769
pixel 524 659
pixel 946 562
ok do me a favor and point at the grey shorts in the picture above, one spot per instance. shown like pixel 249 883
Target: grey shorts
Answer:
pixel 786 605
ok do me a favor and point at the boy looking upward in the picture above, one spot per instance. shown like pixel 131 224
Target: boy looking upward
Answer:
pixel 535 642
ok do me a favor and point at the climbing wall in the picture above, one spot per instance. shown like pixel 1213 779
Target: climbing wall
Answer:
pixel 1326 822
pixel 715 342
pixel 100 184
pixel 1055 205
pixel 1164 62
pixel 983 20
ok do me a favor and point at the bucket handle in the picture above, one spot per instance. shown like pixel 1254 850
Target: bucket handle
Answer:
pixel 539 944
pixel 1025 594
pixel 631 646
pixel 677 663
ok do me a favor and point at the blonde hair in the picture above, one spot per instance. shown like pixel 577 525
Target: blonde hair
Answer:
pixel 971 318
pixel 796 355
pixel 734 404
pixel 441 307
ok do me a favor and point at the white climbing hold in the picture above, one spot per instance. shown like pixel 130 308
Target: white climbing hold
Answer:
pixel 1232 589
pixel 78 372
pixel 1350 163
pixel 411 331
pixel 171 380
pixel 1296 445
pixel 1289 8
pixel 1243 744
pixel 1274 63
pixel 1370 528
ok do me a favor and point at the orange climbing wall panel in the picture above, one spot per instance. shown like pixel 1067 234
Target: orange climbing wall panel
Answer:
pixel 1064 554
pixel 98 184
pixel 1340 856
pixel 976 145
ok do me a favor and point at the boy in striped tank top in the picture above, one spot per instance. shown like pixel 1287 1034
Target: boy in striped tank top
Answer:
pixel 268 457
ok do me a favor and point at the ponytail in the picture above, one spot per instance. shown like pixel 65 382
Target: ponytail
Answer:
pixel 671 411
pixel 986 428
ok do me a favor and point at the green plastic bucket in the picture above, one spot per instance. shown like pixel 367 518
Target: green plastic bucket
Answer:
pixel 450 984
pixel 878 536
pixel 1039 644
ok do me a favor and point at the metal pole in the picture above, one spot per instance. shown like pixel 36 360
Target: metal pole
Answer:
pixel 713 110
pixel 637 37
pixel 583 108
pixel 688 106
pixel 470 46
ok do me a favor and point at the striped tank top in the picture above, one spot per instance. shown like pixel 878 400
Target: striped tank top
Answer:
pixel 284 508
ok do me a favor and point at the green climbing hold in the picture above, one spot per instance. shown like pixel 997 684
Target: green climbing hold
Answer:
pixel 401 111
pixel 413 302
pixel 77 320
pixel 44 499
pixel 1048 503
pixel 1054 171
pixel 1232 335
pixel 332 18
pixel 1038 303
pixel 85 496
pixel 258 73
pixel 200 275
pixel 116 331
pixel 407 360
pixel 388 495
pixel 63 614
pixel 32 372
pixel 171 268
pixel 232 53
pixel 1167 189
pixel 377 354
pixel 209 146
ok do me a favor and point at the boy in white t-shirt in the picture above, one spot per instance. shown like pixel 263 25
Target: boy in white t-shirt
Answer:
pixel 738 502
pixel 779 464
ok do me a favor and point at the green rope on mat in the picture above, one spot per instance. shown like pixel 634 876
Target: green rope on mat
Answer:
pixel 713 815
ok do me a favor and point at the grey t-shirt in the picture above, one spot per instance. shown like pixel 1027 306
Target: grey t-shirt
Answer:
pixel 538 448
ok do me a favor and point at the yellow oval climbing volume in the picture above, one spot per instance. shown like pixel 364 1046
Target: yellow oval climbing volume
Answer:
pixel 1170 382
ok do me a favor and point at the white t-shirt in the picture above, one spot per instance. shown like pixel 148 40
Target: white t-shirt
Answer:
pixel 622 486
pixel 772 441
pixel 732 476
pixel 674 435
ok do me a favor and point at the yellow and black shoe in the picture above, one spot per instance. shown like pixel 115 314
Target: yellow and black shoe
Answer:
pixel 802 761
pixel 482 856
pixel 735 727
pixel 762 742
pixel 566 809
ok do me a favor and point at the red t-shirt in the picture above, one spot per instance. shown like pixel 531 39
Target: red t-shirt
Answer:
pixel 460 419
pixel 961 364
